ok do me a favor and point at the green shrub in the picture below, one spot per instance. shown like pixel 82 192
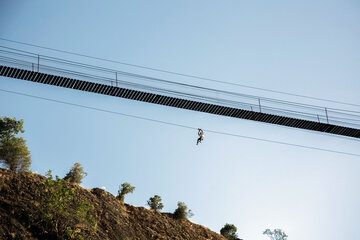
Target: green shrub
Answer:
pixel 182 211
pixel 73 234
pixel 123 190
pixel 229 232
pixel 60 209
pixel 155 203
pixel 76 174
pixel 277 234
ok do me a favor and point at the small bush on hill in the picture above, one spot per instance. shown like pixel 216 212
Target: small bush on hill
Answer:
pixel 60 209
pixel 182 211
pixel 229 232
pixel 155 203
pixel 76 174
pixel 277 234
pixel 125 189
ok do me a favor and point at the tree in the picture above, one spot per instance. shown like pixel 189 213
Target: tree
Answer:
pixel 14 153
pixel 277 234
pixel 155 203
pixel 182 211
pixel 229 232
pixel 76 174
pixel 9 127
pixel 125 189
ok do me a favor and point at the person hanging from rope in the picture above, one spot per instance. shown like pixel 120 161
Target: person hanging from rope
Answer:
pixel 201 136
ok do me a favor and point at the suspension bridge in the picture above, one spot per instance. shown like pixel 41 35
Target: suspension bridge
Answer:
pixel 60 72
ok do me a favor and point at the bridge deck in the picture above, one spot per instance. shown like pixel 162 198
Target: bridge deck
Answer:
pixel 175 102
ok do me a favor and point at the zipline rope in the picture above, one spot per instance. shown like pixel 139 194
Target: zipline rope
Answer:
pixel 184 126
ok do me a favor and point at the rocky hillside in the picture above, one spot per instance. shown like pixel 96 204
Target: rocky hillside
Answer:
pixel 23 215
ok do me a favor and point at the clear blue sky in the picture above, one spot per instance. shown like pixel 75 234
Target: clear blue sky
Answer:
pixel 303 47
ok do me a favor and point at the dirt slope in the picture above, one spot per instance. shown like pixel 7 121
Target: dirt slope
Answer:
pixel 20 216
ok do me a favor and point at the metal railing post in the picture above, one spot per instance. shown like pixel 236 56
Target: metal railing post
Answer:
pixel 259 105
pixel 327 117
